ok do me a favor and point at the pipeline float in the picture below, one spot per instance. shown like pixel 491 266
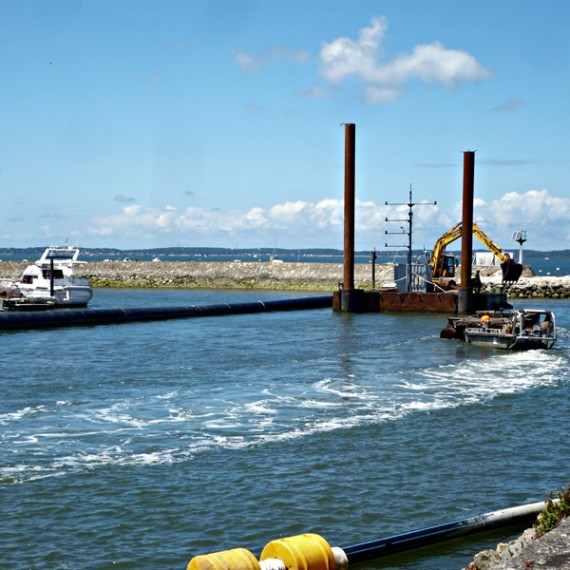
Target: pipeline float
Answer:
pixel 312 552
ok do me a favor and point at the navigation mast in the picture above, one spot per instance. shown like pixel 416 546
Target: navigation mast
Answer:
pixel 409 220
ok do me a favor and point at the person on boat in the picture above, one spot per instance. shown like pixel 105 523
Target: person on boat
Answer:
pixel 485 320
pixel 528 325
pixel 546 326
pixel 476 282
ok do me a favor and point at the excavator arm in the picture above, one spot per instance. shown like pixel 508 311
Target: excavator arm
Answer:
pixel 488 242
pixel 511 271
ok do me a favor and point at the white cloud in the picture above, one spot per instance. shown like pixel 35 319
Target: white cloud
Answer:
pixel 431 63
pixel 381 95
pixel 251 62
pixel 344 57
pixel 303 224
pixel 544 217
pixel 247 61
pixel 315 93
pixel 281 53
pixel 257 218
pixel 288 213
pixel 297 223
pixel 536 211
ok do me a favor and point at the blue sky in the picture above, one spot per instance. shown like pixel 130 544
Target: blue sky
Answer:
pixel 139 123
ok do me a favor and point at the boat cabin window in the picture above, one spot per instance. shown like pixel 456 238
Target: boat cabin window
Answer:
pixel 29 279
pixel 57 273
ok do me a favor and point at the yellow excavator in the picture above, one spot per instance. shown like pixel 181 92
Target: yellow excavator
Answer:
pixel 443 265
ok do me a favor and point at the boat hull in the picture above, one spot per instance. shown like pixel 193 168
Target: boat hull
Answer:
pixel 68 296
pixel 77 296
pixel 521 329
pixel 494 339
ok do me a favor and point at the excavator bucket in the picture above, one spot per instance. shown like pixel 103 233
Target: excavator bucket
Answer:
pixel 511 271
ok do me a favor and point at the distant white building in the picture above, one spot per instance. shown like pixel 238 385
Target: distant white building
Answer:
pixel 487 259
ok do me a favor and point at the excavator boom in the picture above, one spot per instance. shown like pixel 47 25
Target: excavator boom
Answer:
pixel 489 243
pixel 443 265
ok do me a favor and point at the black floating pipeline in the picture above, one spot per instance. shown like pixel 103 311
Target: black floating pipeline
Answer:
pixel 14 320
pixel 312 552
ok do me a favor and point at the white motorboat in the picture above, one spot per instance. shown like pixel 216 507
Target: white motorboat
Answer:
pixel 520 329
pixel 52 281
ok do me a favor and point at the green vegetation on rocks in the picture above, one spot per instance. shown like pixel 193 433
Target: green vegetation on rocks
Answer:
pixel 554 513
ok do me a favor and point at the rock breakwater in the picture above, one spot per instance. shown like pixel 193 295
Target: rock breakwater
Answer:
pixel 268 275
pixel 550 552
pixel 532 287
pixel 216 275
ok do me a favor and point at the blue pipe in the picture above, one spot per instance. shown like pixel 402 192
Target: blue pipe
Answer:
pixel 447 531
pixel 13 320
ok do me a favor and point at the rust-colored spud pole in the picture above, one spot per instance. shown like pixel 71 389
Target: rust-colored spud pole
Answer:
pixel 349 201
pixel 466 291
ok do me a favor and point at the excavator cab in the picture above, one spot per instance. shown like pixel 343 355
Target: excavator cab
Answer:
pixel 449 264
pixel 443 272
pixel 446 265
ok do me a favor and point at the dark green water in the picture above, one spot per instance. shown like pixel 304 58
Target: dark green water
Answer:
pixel 143 445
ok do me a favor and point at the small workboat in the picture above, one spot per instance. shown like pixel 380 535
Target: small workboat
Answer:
pixel 50 282
pixel 518 329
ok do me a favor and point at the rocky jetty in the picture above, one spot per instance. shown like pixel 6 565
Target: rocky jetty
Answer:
pixel 272 275
pixel 531 287
pixel 549 552
pixel 217 275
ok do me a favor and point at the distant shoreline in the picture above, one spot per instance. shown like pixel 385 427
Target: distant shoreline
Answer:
pixel 547 261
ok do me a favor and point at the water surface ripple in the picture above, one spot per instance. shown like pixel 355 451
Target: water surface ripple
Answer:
pixel 143 445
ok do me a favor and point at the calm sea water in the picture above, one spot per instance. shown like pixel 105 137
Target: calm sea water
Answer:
pixel 143 445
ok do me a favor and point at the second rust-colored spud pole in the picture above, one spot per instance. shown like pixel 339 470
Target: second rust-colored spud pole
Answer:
pixel 349 205
pixel 465 291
